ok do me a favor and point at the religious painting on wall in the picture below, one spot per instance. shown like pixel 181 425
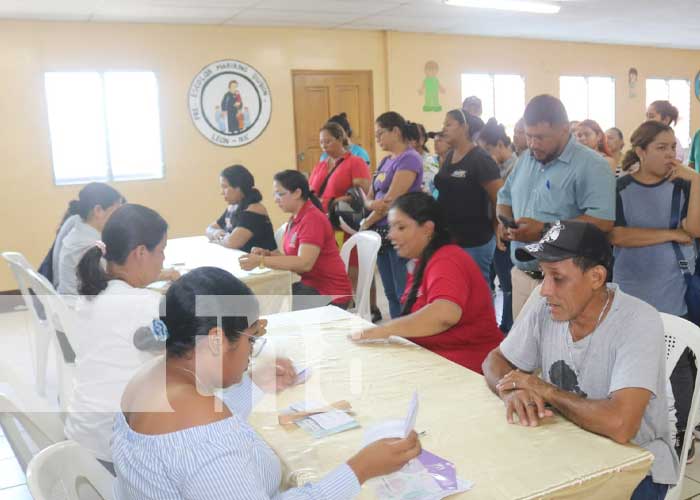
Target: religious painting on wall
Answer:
pixel 229 103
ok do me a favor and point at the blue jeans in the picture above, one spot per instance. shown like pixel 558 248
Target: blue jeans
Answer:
pixel 503 265
pixel 483 256
pixel 392 270
pixel 649 490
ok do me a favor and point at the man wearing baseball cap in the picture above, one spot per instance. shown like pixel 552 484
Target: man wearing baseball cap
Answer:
pixel 600 352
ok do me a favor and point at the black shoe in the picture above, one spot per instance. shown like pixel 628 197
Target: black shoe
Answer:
pixel 376 315
pixel 691 452
pixel 680 436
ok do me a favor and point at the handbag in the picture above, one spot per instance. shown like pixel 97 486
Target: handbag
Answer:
pixel 692 281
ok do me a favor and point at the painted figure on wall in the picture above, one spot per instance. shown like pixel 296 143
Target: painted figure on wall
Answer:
pixel 632 77
pixel 431 88
pixel 220 119
pixel 232 105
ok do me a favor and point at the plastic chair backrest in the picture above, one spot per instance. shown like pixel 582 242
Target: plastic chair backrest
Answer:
pixel 28 432
pixel 368 244
pixel 279 235
pixel 67 470
pixel 42 332
pixel 679 334
pixel 63 323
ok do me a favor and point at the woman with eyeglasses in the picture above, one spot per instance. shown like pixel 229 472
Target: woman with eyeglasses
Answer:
pixel 400 172
pixel 467 183
pixel 309 247
pixel 176 437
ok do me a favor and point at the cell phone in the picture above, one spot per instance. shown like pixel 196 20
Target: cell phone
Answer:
pixel 507 222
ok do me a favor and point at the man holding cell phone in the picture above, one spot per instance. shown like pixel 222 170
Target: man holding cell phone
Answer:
pixel 555 179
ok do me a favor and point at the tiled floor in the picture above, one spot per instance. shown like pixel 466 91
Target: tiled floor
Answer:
pixel 17 369
pixel 12 479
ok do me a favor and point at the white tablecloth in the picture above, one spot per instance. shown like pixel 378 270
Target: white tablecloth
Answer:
pixel 273 288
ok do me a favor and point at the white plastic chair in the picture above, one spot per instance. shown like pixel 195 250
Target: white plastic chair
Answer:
pixel 28 432
pixel 368 244
pixel 279 235
pixel 41 335
pixel 67 470
pixel 63 323
pixel 679 334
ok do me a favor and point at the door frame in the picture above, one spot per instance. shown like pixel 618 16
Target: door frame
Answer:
pixel 317 72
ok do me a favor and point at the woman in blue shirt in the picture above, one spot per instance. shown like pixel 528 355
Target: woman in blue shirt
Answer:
pixel 646 264
pixel 176 439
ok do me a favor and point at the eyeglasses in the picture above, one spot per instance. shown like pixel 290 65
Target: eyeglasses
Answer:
pixel 257 343
pixel 277 195
pixel 379 133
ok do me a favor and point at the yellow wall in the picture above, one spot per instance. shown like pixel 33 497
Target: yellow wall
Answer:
pixel 540 62
pixel 30 205
pixel 188 197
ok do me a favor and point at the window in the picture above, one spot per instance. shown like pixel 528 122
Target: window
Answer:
pixel 589 97
pixel 104 126
pixel 502 96
pixel 677 92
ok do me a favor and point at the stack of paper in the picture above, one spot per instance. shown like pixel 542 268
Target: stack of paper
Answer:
pixel 323 424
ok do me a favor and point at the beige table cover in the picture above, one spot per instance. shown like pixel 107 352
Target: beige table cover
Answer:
pixel 274 288
pixel 464 422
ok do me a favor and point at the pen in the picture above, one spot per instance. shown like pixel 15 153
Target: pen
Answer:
pixel 549 186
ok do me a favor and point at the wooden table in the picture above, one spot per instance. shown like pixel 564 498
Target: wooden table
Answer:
pixel 464 422
pixel 273 288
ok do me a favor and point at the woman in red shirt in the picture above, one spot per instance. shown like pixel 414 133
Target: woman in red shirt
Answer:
pixel 447 305
pixel 309 246
pixel 331 178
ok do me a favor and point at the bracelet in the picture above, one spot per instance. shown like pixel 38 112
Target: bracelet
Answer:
pixel 262 261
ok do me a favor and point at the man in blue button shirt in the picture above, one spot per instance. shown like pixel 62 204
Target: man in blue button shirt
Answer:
pixel 555 179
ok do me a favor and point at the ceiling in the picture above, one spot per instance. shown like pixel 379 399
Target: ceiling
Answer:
pixel 671 23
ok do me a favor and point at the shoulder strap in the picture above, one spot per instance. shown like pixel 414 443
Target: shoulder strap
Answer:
pixel 379 168
pixel 675 220
pixel 328 177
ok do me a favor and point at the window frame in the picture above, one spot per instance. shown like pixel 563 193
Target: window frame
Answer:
pixel 690 103
pixel 109 178
pixel 492 76
pixel 588 96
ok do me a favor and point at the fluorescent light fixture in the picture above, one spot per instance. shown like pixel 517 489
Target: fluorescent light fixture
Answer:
pixel 514 5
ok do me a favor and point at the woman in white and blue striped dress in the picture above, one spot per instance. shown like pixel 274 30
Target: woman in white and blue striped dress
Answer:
pixel 175 438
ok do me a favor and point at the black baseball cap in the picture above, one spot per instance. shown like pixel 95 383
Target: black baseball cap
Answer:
pixel 569 239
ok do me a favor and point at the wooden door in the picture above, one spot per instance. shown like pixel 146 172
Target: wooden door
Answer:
pixel 318 95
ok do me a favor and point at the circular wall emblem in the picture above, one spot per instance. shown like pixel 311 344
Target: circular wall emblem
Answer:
pixel 230 103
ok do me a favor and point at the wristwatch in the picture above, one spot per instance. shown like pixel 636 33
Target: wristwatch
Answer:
pixel 546 227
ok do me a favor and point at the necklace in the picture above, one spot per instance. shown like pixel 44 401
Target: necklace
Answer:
pixel 590 339
pixel 196 378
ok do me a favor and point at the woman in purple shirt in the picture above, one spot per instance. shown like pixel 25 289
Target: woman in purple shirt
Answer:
pixel 400 172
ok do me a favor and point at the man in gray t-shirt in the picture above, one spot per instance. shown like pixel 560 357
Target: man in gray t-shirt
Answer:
pixel 600 352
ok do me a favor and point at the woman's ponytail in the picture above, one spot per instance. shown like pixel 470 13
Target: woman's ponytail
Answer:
pixel 92 278
pixel 629 159
pixel 73 209
pixel 129 226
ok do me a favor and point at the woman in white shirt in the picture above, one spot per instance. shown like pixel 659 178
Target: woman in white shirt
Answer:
pixel 175 438
pixel 95 204
pixel 114 315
